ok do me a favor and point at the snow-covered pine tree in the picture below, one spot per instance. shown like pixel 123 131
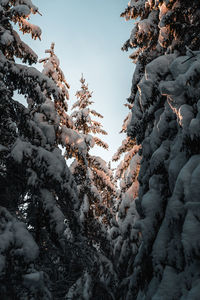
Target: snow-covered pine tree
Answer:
pixel 92 174
pixel 165 114
pixel 96 189
pixel 67 136
pixel 36 186
pixel 52 70
pixel 20 275
pixel 125 239
pixel 82 115
pixel 160 27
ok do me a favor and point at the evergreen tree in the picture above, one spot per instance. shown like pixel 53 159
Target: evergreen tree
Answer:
pixel 69 138
pixel 125 238
pixel 36 186
pixel 92 174
pixel 20 275
pixel 52 70
pixel 161 27
pixel 95 186
pixel 164 121
pixel 82 117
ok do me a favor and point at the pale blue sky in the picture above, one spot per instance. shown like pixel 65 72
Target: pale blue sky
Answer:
pixel 88 36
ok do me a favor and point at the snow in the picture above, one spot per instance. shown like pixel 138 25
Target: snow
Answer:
pixel 47 129
pixel 165 121
pixel 74 140
pixel 21 11
pixel 89 140
pixel 56 216
pixel 101 164
pixel 6 38
pixel 20 149
pixel 48 108
pixel 25 49
pixel 194 128
pixel 131 171
pixel 33 278
pixel 27 3
pixel 164 150
pixel 36 180
pixel 27 27
pixel 25 75
pixel 154 237
pixel 25 241
pixel 168 288
pixel 4 2
pixel 51 68
pixel 185 115
pixel 15 236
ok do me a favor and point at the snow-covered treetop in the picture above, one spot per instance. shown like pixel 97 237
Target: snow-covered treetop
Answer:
pixel 52 69
pixel 82 116
pixel 83 96
pixel 19 12
pixel 93 176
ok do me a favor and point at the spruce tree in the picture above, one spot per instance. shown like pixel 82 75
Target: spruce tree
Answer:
pixel 52 70
pixel 36 186
pixel 20 275
pixel 164 121
pixel 96 189
pixel 124 237
pixel 68 137
pixel 92 174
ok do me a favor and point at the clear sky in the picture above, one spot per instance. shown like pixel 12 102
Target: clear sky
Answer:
pixel 88 37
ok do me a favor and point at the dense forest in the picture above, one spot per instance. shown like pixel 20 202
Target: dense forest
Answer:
pixel 72 227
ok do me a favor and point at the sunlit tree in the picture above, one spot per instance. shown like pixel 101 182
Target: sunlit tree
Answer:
pixel 96 191
pixel 164 121
pixel 124 237
pixel 39 201
pixel 52 70
pixel 92 174
pixel 20 276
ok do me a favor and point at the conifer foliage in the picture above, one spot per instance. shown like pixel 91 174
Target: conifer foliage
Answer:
pixel 83 115
pixel 131 160
pixel 69 138
pixel 125 238
pixel 95 190
pixel 61 236
pixel 20 276
pixel 92 174
pixel 52 70
pixel 36 186
pixel 164 119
